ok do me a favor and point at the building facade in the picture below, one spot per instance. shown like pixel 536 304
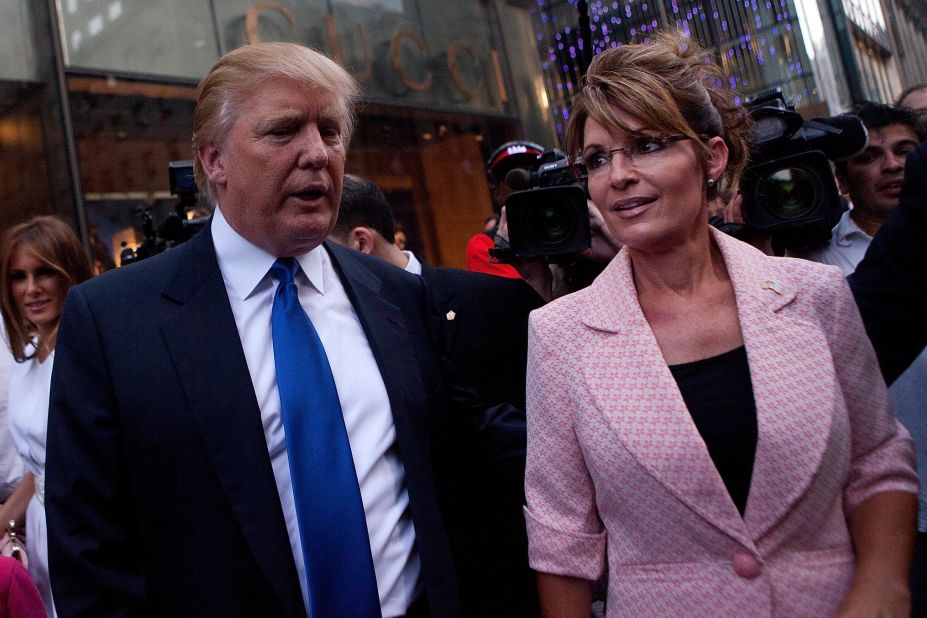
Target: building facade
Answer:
pixel 97 96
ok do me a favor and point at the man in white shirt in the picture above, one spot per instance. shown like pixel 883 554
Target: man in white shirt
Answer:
pixel 485 322
pixel 177 483
pixel 872 180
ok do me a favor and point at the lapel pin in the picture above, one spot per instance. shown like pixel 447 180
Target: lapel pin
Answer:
pixel 772 285
pixel 451 315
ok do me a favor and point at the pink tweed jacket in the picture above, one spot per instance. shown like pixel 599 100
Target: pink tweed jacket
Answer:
pixel 617 469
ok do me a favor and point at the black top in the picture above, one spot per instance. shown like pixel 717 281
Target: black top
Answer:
pixel 719 395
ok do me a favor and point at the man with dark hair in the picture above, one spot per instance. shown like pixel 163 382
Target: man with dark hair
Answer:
pixel 485 321
pixel 890 286
pixel 486 318
pixel 872 181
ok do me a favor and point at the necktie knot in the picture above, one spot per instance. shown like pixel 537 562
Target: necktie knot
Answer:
pixel 284 270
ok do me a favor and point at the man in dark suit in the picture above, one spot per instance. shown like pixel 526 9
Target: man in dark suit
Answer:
pixel 182 454
pixel 486 337
pixel 890 286
pixel 485 318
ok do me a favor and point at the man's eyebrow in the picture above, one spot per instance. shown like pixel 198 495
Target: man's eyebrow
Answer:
pixel 905 143
pixel 282 117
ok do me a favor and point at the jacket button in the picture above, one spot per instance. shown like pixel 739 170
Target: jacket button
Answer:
pixel 745 565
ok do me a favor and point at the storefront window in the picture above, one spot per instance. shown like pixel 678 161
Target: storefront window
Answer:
pixel 34 166
pixel 438 98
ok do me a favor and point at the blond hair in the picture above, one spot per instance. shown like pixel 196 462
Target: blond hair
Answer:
pixel 239 74
pixel 671 86
pixel 51 241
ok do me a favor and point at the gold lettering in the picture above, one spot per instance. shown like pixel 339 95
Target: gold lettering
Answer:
pixel 395 51
pixel 251 18
pixel 334 39
pixel 454 65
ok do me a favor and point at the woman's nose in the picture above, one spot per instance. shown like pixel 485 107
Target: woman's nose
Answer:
pixel 621 169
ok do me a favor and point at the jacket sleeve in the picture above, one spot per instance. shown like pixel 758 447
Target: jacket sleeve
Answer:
pixel 882 451
pixel 565 534
pixel 93 548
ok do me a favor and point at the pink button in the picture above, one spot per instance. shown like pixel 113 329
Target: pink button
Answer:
pixel 745 565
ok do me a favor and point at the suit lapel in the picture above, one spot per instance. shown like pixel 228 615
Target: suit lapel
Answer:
pixel 383 325
pixel 634 389
pixel 793 388
pixel 203 341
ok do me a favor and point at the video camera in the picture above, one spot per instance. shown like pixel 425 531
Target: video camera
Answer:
pixel 175 228
pixel 547 213
pixel 788 188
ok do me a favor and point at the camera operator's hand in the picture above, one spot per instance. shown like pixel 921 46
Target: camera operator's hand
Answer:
pixel 534 271
pixel 604 244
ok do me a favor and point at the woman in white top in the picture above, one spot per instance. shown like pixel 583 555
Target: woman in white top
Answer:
pixel 39 261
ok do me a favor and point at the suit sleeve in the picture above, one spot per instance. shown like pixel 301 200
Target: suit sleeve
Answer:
pixel 890 283
pixel 93 549
pixel 565 534
pixel 882 456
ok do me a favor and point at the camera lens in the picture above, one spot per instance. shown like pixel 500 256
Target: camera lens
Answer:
pixel 550 224
pixel 791 192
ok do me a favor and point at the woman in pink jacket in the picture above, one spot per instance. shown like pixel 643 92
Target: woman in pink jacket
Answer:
pixel 707 422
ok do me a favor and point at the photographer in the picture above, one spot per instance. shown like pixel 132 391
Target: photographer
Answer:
pixel 507 157
pixel 872 180
pixel 555 279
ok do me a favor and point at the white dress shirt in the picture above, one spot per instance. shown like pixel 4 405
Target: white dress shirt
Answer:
pixel 847 246
pixel 413 265
pixel 364 403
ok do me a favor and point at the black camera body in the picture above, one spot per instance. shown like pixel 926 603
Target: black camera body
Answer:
pixel 789 188
pixel 547 215
pixel 175 228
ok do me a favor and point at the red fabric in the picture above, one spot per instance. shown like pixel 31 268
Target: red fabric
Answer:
pixel 478 258
pixel 19 598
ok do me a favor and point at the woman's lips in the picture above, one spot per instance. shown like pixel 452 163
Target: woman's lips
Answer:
pixel 37 306
pixel 629 208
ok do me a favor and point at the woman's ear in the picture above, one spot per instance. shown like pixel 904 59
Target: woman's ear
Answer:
pixel 717 158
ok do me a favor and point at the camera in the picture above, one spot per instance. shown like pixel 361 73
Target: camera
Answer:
pixel 547 214
pixel 174 228
pixel 788 188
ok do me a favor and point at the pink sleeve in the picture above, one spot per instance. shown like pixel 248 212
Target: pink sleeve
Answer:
pixel 882 451
pixel 565 534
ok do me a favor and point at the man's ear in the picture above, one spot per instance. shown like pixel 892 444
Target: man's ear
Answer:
pixel 361 239
pixel 213 163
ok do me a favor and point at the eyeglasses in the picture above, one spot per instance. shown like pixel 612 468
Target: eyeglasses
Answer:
pixel 644 150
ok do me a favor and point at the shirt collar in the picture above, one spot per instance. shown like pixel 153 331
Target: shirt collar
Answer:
pixel 414 266
pixel 245 265
pixel 847 227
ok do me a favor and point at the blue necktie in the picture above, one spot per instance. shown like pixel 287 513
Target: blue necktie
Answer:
pixel 332 526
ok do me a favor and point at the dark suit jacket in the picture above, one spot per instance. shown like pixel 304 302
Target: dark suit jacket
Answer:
pixel 486 329
pixel 890 283
pixel 485 320
pixel 160 495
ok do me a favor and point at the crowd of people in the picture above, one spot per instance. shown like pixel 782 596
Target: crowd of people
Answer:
pixel 298 416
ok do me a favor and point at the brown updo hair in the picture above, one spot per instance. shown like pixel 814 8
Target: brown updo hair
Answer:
pixel 672 86
pixel 51 241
